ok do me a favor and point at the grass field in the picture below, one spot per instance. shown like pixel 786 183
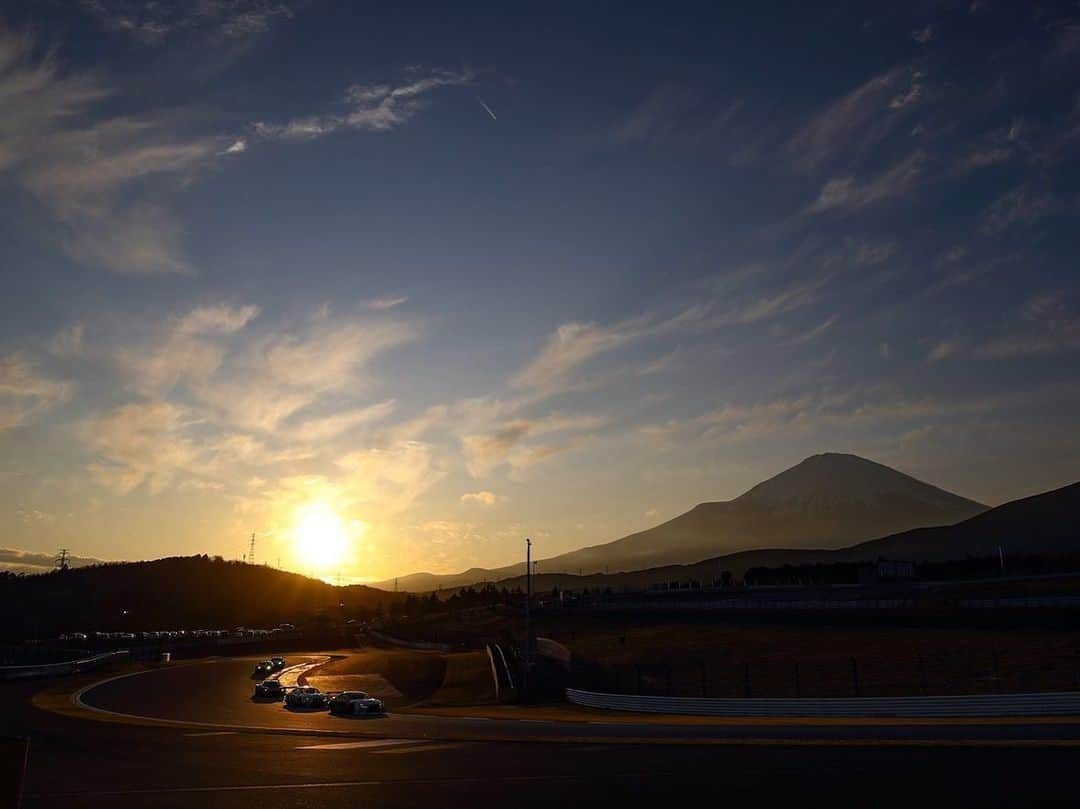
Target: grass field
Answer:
pixel 940 651
pixel 770 659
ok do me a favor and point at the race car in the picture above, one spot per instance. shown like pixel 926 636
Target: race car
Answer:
pixel 305 696
pixel 354 703
pixel 269 689
pixel 278 663
pixel 263 669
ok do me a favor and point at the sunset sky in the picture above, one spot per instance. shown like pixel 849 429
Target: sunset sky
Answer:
pixel 433 278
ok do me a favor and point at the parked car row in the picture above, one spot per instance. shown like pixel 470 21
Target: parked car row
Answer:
pixel 178 634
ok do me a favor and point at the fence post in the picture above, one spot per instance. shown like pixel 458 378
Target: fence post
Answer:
pixel 855 676
pixel 668 679
pixel 637 678
pixel 922 676
pixel 798 681
pixel 746 679
pixel 704 679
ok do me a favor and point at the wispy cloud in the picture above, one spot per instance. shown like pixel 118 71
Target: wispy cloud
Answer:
pixel 1022 205
pixel 1052 324
pixel 513 442
pixel 390 479
pixel 847 194
pixel 572 345
pixel 924 34
pixel 186 351
pixel 483 498
pixel 139 443
pixel 863 117
pixel 384 304
pixel 21 561
pixel 83 169
pixel 945 349
pixel 369 107
pixel 813 333
pixel 152 22
pixel 328 427
pixel 678 113
pixel 24 393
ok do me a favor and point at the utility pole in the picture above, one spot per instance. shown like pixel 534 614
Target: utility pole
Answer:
pixel 251 550
pixel 528 619
pixel 63 559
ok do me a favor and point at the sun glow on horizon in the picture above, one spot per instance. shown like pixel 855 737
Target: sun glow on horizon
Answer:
pixel 320 539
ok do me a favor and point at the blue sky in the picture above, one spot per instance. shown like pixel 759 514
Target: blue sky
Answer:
pixel 458 275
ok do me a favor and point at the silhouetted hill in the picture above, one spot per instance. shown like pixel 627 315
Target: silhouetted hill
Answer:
pixel 193 592
pixel 1043 523
pixel 826 501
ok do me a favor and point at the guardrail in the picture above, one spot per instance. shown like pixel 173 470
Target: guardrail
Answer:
pixel 56 669
pixel 970 705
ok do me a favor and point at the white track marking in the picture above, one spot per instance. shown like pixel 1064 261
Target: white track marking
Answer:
pixel 289 677
pixel 370 743
pixel 423 747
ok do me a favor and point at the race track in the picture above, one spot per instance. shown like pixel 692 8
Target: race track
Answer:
pixel 217 694
pixel 133 746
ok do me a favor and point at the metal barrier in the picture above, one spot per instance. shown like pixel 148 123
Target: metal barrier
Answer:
pixel 56 669
pixel 972 705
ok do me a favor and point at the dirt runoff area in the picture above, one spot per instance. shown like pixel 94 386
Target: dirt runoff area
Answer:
pixel 401 677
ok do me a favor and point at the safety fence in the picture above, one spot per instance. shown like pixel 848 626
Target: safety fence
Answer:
pixel 876 673
pixel 971 705
pixel 57 669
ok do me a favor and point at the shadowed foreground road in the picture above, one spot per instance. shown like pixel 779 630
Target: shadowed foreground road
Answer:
pixel 80 763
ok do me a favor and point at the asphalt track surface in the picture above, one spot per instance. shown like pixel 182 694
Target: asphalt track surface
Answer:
pixel 252 754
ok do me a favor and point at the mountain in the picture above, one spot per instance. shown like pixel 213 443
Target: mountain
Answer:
pixel 1041 524
pixel 827 501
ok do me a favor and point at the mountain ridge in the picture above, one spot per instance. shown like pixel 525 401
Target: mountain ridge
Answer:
pixel 1040 519
pixel 829 500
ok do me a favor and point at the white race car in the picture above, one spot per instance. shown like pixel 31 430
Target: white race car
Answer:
pixel 305 696
pixel 354 703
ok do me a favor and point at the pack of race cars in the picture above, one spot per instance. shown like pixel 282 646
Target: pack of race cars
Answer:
pixel 342 703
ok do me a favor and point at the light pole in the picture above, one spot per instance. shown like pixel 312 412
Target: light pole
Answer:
pixel 528 619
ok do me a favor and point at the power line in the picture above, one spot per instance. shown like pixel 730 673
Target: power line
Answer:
pixel 63 559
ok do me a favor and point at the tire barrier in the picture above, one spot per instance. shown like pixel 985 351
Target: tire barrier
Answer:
pixel 57 669
pixel 968 705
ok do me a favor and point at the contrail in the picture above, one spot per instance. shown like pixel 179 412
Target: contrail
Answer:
pixel 486 107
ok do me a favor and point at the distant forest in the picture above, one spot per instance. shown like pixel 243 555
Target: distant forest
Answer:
pixel 974 567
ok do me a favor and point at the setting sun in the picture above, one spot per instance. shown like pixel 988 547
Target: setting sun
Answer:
pixel 319 537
